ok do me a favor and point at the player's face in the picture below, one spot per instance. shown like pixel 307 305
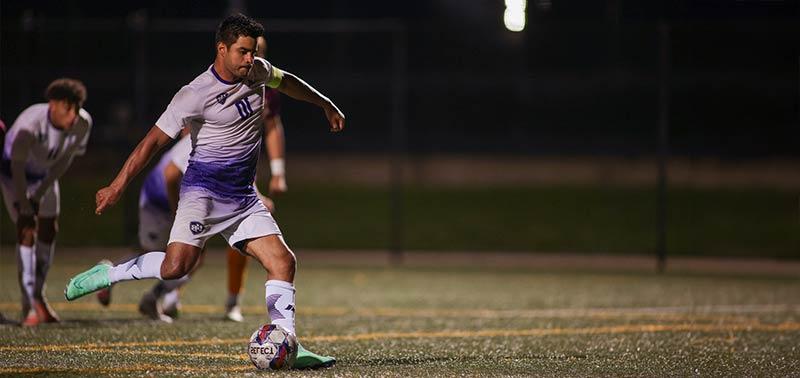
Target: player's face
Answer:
pixel 239 56
pixel 62 113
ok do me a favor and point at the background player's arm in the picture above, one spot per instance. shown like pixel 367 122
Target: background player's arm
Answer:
pixel 20 150
pixel 275 151
pixel 154 141
pixel 57 170
pixel 300 90
pixel 172 179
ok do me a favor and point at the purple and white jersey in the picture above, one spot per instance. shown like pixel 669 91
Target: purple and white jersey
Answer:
pixel 225 120
pixel 51 143
pixel 154 189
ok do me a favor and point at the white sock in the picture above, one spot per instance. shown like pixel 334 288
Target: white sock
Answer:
pixel 27 269
pixel 174 285
pixel 280 303
pixel 171 298
pixel 44 257
pixel 165 287
pixel 147 265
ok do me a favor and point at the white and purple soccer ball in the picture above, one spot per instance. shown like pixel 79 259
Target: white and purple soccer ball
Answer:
pixel 272 348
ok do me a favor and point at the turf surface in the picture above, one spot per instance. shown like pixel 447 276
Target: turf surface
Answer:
pixel 434 321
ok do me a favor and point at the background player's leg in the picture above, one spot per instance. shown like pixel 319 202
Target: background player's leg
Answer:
pixel 279 261
pixel 237 270
pixel 26 271
pixel 26 274
pixel 169 290
pixel 45 243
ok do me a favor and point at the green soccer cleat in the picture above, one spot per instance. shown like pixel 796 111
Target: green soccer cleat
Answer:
pixel 88 282
pixel 310 360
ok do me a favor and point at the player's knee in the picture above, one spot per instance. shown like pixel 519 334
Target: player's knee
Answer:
pixel 172 269
pixel 26 236
pixel 287 263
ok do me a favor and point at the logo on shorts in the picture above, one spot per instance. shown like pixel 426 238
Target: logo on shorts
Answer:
pixel 222 97
pixel 196 227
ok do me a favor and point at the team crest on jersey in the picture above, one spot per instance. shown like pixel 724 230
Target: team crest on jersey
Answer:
pixel 196 227
pixel 222 97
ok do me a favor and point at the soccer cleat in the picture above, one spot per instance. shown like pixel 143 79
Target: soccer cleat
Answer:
pixel 31 320
pixel 173 310
pixel 310 360
pixel 171 304
pixel 44 312
pixel 104 295
pixel 234 314
pixel 88 282
pixel 149 307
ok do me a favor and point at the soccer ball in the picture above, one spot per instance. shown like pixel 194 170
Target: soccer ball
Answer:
pixel 272 348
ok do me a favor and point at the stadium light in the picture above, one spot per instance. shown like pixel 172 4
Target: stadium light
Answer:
pixel 514 16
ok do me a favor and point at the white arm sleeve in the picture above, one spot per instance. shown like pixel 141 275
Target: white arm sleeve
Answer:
pixel 84 141
pixel 185 106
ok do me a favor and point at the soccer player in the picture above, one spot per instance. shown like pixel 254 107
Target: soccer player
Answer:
pixel 38 148
pixel 237 263
pixel 222 107
pixel 158 200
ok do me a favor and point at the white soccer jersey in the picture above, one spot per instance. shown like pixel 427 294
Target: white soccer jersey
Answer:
pixel 226 130
pixel 50 143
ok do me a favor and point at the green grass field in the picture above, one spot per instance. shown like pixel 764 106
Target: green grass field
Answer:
pixel 708 222
pixel 427 321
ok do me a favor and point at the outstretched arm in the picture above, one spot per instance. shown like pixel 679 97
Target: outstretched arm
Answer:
pixel 141 155
pixel 20 150
pixel 275 150
pixel 300 90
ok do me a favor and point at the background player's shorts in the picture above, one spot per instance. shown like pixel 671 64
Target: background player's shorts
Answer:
pixel 49 205
pixel 201 216
pixel 154 227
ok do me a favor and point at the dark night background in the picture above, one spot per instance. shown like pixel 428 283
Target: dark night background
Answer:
pixel 582 78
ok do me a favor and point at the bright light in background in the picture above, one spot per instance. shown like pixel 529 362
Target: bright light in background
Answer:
pixel 514 16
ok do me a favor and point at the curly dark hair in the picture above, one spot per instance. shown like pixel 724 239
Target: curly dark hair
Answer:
pixel 71 90
pixel 235 26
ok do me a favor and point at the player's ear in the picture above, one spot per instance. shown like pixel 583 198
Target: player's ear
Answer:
pixel 221 48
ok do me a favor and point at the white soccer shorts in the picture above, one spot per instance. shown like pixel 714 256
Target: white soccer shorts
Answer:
pixel 199 217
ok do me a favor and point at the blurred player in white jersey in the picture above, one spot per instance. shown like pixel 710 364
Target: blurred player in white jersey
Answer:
pixel 38 148
pixel 223 109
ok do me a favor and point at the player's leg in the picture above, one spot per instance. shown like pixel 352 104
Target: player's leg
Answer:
pixel 280 263
pixel 47 229
pixel 26 270
pixel 237 270
pixel 26 257
pixel 168 291
pixel 154 229
pixel 172 264
pixel 259 236
pixel 45 242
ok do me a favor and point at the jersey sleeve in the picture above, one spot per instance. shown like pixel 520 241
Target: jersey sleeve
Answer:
pixel 80 150
pixel 180 153
pixel 266 72
pixel 184 107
